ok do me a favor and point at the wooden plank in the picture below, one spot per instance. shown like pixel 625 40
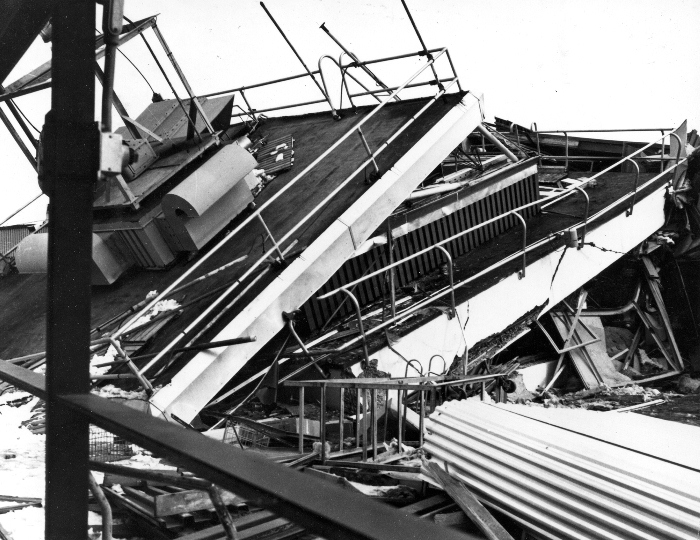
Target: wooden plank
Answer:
pixel 426 504
pixel 191 500
pixel 243 523
pixel 469 504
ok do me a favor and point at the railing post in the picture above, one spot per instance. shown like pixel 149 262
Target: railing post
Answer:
pixel 323 424
pixel 566 150
pixel 678 152
pixel 634 194
pixel 450 273
pixel 272 238
pixel 392 275
pixel 537 136
pixel 357 418
pixel 341 425
pixel 585 217
pixel 360 325
pixel 301 419
pixel 521 274
pixel 376 174
pixel 661 159
pixel 364 424
pixel 373 397
pixel 421 420
pixel 399 404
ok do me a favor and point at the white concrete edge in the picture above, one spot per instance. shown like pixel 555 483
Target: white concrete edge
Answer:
pixel 192 388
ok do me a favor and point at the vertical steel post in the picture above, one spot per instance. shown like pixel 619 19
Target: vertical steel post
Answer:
pixel 301 419
pixel 421 420
pixel 364 424
pixel 323 424
pixel 71 137
pixel 399 403
pixel 357 418
pixel 373 397
pixel 422 43
pixel 392 275
pixel 341 425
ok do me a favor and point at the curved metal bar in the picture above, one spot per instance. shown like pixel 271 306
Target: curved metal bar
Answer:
pixel 360 324
pixel 521 274
pixel 514 126
pixel 585 216
pixel 323 78
pixel 450 273
pixel 419 370
pixel 636 184
pixel 430 364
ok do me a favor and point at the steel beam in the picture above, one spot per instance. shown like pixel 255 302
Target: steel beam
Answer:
pixel 70 152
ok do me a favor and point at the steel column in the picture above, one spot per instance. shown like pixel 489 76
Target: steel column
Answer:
pixel 70 145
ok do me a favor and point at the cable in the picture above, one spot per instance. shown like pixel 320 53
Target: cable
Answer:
pixel 23 116
pixel 137 69
pixel 603 249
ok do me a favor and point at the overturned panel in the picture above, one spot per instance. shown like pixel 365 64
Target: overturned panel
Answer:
pixel 561 484
pixel 209 198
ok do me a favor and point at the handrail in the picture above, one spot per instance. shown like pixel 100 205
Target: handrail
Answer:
pixel 254 215
pixel 553 198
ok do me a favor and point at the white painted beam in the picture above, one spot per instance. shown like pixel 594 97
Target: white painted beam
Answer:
pixel 202 378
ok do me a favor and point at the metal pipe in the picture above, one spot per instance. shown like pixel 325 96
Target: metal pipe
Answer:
pixel 678 152
pixel 605 130
pixel 537 135
pixel 524 224
pixel 308 71
pixel 566 162
pixel 288 185
pixel 450 273
pixel 585 216
pixel 414 85
pixel 636 183
pixel 301 420
pixel 364 423
pixel 20 120
pixel 373 398
pixel 361 65
pixel 105 508
pixel 272 238
pixel 360 324
pixel 147 386
pixel 323 425
pixel 369 152
pixel 420 38
pixel 399 403
pixel 341 425
pixel 454 72
pixel 491 137
pixel 392 273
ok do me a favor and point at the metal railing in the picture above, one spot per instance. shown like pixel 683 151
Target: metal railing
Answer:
pixel 257 214
pixel 416 385
pixel 549 200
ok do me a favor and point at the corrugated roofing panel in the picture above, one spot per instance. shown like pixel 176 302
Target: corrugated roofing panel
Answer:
pixel 13 235
pixel 561 484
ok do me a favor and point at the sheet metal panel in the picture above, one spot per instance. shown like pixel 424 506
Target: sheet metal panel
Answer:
pixel 562 484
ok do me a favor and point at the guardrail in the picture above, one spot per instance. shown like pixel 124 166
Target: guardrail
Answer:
pixel 257 214
pixel 549 200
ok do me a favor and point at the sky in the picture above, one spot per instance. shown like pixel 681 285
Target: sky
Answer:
pixel 564 64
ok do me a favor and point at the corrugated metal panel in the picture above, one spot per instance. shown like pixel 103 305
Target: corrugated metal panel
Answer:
pixel 11 236
pixel 515 195
pixel 562 484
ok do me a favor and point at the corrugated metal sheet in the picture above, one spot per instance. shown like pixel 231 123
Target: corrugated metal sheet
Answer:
pixel 562 484
pixel 13 235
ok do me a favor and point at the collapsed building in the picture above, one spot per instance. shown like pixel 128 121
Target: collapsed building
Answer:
pixel 380 265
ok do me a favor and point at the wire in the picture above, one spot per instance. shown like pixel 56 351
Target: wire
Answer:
pixel 23 116
pixel 137 69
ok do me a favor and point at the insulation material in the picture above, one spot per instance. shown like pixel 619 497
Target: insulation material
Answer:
pixel 207 200
pixel 32 258
pixel 562 484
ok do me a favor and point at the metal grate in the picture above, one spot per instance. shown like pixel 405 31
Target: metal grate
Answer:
pixel 106 446
pixel 236 433
pixel 518 194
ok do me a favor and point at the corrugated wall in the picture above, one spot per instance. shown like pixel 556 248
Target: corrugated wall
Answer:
pixel 562 484
pixel 518 194
pixel 11 236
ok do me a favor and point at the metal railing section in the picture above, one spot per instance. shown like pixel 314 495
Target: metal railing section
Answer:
pixel 550 200
pixel 257 214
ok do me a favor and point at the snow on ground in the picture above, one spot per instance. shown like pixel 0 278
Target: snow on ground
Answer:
pixel 23 475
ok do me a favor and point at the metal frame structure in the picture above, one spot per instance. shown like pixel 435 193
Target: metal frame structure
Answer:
pixel 71 408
